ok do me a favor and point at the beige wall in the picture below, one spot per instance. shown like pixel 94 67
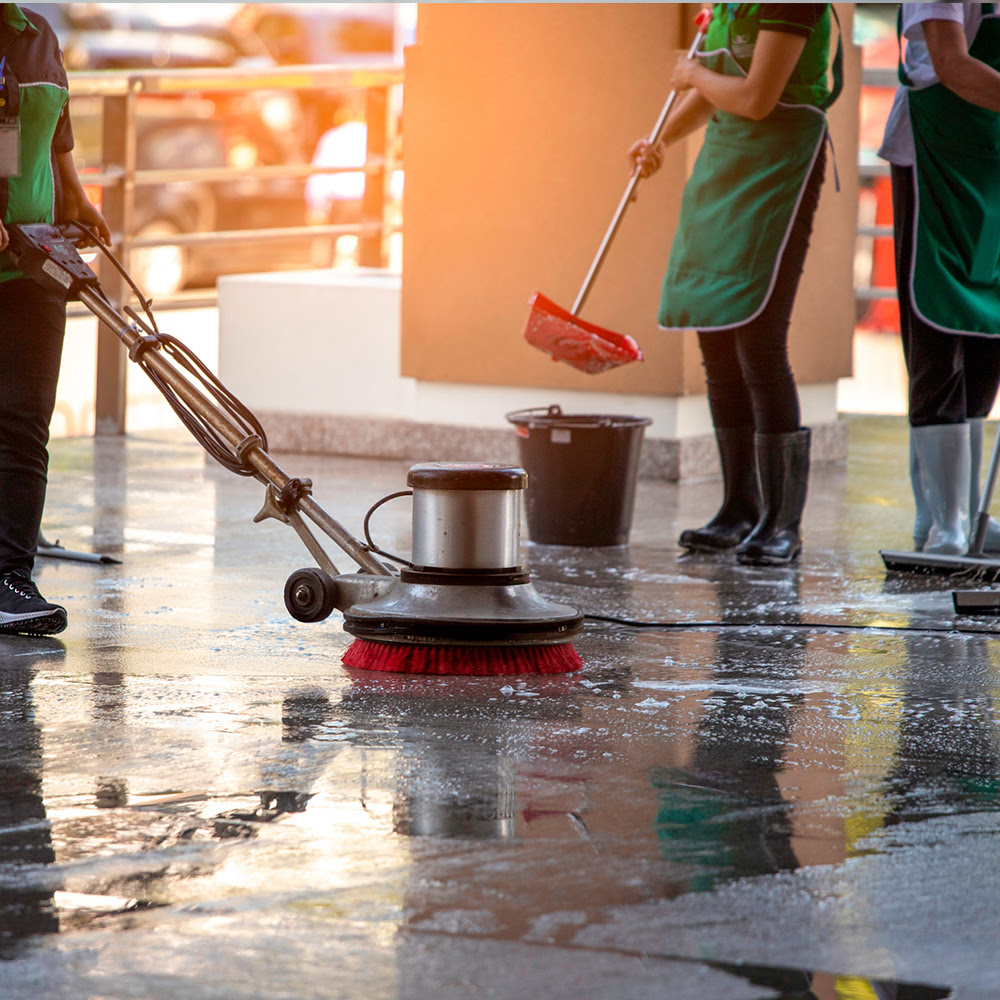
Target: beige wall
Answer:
pixel 517 120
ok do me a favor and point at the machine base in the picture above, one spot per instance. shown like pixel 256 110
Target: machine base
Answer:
pixel 463 614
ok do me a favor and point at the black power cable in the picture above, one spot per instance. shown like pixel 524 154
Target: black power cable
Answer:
pixel 368 538
pixel 801 626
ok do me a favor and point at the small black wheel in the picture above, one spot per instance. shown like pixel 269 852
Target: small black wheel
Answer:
pixel 310 595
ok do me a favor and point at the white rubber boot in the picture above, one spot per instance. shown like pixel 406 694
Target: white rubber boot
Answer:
pixel 943 454
pixel 922 517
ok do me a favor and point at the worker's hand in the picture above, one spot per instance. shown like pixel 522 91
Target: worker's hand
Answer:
pixel 4 238
pixel 90 218
pixel 646 158
pixel 683 75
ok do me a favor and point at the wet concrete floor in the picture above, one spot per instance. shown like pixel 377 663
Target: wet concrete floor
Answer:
pixel 763 783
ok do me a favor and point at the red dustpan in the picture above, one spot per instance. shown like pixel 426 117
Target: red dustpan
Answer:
pixel 566 337
pixel 561 333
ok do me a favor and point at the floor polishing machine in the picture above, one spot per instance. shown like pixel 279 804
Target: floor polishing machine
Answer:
pixel 461 604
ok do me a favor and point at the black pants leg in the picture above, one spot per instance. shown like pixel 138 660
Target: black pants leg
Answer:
pixel 750 382
pixel 952 378
pixel 32 326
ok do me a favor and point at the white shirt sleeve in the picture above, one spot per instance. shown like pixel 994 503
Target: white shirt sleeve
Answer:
pixel 914 14
pixel 897 143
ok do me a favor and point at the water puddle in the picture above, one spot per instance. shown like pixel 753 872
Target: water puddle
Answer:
pixel 52 879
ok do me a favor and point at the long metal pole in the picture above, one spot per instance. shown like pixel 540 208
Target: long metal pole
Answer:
pixel 268 471
pixel 654 138
pixel 982 516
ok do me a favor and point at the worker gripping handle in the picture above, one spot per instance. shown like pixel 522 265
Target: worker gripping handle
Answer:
pixel 48 256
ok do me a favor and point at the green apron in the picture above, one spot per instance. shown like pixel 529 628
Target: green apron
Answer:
pixel 739 205
pixel 955 275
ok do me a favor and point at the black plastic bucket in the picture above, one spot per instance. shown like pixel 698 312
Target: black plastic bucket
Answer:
pixel 582 474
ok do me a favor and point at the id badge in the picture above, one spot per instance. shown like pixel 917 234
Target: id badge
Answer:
pixel 10 147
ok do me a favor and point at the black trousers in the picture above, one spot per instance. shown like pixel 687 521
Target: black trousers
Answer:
pixel 952 378
pixel 32 327
pixel 750 382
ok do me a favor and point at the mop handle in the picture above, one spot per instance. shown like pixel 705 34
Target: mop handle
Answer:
pixel 983 514
pixel 704 16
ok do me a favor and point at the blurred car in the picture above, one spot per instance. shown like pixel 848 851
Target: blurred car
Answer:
pixel 229 129
pixel 189 134
pixel 127 49
pixel 337 198
pixel 318 33
pixel 108 36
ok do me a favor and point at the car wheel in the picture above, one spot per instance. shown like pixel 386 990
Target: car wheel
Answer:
pixel 159 271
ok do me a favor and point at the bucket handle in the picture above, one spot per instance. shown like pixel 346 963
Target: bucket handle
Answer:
pixel 368 538
pixel 555 411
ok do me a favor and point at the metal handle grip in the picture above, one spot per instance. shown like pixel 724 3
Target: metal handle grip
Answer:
pixel 268 471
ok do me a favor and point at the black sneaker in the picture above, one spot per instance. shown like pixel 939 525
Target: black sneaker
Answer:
pixel 24 610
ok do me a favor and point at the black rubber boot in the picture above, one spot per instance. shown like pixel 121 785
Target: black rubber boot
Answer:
pixel 740 495
pixel 783 466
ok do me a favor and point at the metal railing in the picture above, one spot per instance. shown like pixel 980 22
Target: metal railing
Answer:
pixel 869 169
pixel 120 178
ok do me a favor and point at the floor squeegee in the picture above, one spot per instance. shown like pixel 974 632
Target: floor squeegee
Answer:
pixel 974 565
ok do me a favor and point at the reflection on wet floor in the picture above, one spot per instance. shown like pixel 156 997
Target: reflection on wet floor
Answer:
pixel 25 835
pixel 793 984
pixel 724 813
pixel 527 764
pixel 731 790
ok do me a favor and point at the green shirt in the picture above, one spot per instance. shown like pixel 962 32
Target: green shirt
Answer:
pixel 37 93
pixel 734 28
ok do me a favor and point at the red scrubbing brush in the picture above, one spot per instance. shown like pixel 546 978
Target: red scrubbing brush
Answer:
pixel 463 605
pixel 487 661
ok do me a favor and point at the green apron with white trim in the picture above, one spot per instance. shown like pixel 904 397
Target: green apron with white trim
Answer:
pixel 740 202
pixel 955 275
